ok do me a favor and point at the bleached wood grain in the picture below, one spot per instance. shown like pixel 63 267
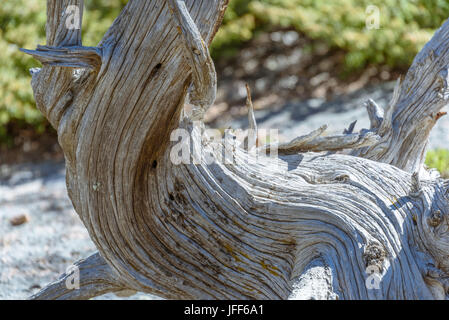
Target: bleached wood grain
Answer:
pixel 248 229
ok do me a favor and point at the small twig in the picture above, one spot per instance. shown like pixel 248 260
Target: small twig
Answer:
pixel 252 139
pixel 315 142
pixel 69 57
pixel 375 113
pixel 387 122
pixel 351 128
pixel 440 115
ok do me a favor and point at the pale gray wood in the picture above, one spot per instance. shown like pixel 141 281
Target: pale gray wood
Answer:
pixel 262 228
pixel 71 57
pixel 251 140
pixel 315 141
pixel 375 113
pixel 414 110
pixel 95 276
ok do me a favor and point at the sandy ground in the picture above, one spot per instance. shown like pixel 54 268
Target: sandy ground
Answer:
pixel 37 251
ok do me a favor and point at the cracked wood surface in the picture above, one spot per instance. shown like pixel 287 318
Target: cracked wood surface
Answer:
pixel 253 228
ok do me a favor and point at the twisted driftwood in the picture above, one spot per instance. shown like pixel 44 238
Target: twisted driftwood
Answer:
pixel 318 220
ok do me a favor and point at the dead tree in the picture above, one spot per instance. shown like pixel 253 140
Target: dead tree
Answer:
pixel 351 216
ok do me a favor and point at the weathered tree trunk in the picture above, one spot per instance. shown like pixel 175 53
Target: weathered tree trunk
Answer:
pixel 305 224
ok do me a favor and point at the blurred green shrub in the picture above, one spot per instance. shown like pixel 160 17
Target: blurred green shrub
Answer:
pixel 405 26
pixel 439 159
pixel 22 25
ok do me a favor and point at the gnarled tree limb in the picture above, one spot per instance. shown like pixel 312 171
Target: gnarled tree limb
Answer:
pixel 414 110
pixel 316 142
pixel 95 278
pixel 258 227
pixel 203 68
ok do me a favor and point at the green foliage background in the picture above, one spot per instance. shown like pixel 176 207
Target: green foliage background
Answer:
pixel 22 25
pixel 406 25
pixel 439 159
